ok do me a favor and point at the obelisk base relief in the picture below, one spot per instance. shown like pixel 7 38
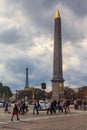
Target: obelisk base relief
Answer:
pixel 57 90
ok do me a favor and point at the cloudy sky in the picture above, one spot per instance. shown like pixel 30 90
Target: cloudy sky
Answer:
pixel 27 38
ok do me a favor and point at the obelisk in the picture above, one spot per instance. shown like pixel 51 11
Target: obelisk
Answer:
pixel 26 82
pixel 57 81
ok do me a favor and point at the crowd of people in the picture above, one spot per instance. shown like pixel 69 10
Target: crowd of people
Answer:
pixel 61 106
pixel 80 104
pixel 20 107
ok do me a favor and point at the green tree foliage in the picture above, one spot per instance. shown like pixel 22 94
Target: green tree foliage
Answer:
pixel 5 91
pixel 1 84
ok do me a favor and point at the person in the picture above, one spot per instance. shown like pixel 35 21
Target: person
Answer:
pixel 53 107
pixel 6 106
pixel 36 107
pixel 60 106
pixel 15 112
pixel 49 107
pixel 84 104
pixel 75 104
pixel 9 107
pixel 68 105
pixel 65 105
pixel 26 105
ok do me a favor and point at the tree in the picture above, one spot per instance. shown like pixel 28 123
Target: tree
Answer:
pixel 1 84
pixel 69 93
pixel 5 91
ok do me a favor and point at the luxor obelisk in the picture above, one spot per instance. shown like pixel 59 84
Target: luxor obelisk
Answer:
pixel 57 81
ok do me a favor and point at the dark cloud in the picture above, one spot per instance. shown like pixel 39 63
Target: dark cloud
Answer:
pixel 10 36
pixel 36 12
pixel 72 33
pixel 75 77
pixel 41 17
pixel 79 7
pixel 17 38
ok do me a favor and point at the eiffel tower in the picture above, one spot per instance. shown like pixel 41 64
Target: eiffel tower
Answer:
pixel 26 82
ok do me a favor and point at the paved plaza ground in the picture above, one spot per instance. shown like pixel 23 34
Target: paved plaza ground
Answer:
pixel 76 120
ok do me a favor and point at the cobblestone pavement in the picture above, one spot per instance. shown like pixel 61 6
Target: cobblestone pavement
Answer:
pixel 76 120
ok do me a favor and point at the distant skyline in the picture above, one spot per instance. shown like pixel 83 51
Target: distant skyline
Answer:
pixel 27 38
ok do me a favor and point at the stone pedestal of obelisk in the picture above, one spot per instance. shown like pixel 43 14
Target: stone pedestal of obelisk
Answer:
pixel 57 81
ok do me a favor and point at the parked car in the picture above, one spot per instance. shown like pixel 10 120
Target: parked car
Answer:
pixel 43 105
